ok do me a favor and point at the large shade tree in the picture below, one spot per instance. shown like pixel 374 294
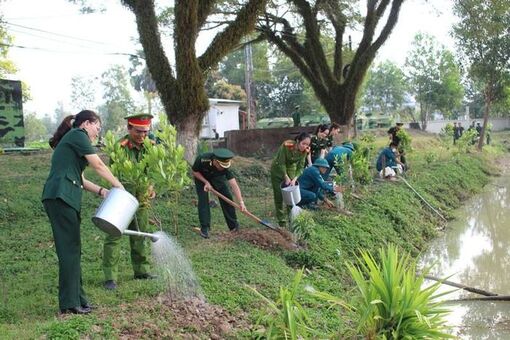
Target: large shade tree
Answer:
pixel 182 87
pixel 337 74
pixel 483 36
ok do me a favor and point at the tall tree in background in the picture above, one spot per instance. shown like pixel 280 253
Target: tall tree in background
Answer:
pixel 142 81
pixel 118 101
pixel 434 77
pixel 182 89
pixel 83 95
pixel 334 77
pixel 483 36
pixel 385 89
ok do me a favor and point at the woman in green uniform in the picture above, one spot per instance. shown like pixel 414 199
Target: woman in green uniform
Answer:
pixel 318 144
pixel 61 198
pixel 286 167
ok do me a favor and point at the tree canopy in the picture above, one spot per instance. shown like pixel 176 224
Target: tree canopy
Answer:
pixel 483 38
pixel 335 74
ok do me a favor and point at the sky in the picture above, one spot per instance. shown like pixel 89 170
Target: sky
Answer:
pixel 60 43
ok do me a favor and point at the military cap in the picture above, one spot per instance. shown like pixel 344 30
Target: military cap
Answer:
pixel 321 163
pixel 223 156
pixel 139 120
pixel 400 124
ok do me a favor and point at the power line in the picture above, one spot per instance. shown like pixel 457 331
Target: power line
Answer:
pixel 70 52
pixel 57 34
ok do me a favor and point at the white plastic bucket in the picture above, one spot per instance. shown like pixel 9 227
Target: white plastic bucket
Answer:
pixel 291 194
pixel 116 212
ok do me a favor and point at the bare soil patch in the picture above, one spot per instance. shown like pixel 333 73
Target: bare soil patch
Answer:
pixel 262 238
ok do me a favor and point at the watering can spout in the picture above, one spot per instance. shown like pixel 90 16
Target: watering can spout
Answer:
pixel 153 237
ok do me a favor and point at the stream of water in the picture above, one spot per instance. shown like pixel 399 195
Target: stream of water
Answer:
pixel 475 251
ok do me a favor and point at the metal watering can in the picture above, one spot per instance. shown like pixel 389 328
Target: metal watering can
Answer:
pixel 116 213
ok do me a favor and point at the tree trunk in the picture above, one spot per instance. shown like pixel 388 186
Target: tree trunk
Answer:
pixel 187 137
pixel 488 102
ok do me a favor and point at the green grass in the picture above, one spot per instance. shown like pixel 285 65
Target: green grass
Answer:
pixel 386 213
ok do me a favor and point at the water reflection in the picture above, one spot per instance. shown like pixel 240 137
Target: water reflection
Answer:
pixel 475 251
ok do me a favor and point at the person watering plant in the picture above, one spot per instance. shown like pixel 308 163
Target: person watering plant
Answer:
pixel 312 186
pixel 61 198
pixel 138 127
pixel 285 169
pixel 212 170
pixel 318 144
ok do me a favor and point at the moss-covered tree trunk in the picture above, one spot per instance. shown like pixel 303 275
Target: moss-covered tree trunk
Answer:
pixel 183 93
pixel 335 79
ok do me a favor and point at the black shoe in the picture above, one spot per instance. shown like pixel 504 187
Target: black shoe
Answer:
pixel 204 232
pixel 235 229
pixel 145 276
pixel 75 310
pixel 110 285
pixel 87 306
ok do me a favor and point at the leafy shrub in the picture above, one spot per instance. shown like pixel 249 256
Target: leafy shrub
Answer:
pixel 302 258
pixel 405 140
pixel 302 226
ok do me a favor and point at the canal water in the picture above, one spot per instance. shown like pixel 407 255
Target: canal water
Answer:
pixel 475 251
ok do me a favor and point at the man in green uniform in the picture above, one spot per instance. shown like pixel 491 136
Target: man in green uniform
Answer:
pixel 212 170
pixel 296 116
pixel 138 128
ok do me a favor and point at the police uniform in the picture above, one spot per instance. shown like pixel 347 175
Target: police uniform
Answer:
pixel 288 160
pixel 218 179
pixel 140 252
pixel 61 198
pixel 312 185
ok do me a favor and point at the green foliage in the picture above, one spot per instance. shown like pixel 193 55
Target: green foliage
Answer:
pixel 385 88
pixel 434 76
pixel 162 165
pixel 391 303
pixel 405 140
pixel 284 318
pixel 466 141
pixel 302 226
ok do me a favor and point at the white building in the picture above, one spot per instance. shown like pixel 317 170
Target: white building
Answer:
pixel 223 116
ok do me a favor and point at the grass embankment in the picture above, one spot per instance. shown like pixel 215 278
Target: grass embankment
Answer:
pixel 385 213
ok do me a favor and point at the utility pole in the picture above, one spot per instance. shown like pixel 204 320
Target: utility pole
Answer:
pixel 248 81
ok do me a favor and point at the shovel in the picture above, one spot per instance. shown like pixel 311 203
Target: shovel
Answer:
pixel 246 212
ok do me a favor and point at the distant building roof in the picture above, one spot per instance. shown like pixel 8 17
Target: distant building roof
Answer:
pixel 223 101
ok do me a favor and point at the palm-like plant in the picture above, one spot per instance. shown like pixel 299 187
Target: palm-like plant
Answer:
pixel 392 303
pixel 285 318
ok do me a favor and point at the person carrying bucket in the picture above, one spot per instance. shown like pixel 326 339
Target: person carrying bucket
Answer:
pixel 285 169
pixel 138 127
pixel 212 170
pixel 312 186
pixel 61 198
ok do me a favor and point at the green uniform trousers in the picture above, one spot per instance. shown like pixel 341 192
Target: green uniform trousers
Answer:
pixel 282 211
pixel 204 211
pixel 65 223
pixel 140 251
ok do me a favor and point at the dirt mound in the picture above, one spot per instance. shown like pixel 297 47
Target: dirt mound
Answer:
pixel 263 238
pixel 164 317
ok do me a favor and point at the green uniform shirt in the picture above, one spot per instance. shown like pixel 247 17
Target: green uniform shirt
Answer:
pixel 288 161
pixel 67 165
pixel 203 164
